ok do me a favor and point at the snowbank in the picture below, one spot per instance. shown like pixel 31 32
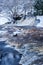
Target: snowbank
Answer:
pixel 41 21
pixel 3 20
pixel 5 16
pixel 26 22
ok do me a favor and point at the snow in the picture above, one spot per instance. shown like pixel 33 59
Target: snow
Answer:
pixel 3 32
pixel 3 20
pixel 3 39
pixel 27 22
pixel 41 21
pixel 7 46
pixel 5 16
pixel 17 32
pixel 30 22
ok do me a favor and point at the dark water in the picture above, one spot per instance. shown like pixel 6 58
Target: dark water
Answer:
pixel 8 56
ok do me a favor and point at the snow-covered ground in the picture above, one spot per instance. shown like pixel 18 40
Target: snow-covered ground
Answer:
pixel 41 21
pixel 3 20
pixel 26 22
pixel 2 32
pixel 31 22
pixel 5 16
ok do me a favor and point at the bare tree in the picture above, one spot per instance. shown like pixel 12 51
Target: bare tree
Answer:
pixel 29 6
